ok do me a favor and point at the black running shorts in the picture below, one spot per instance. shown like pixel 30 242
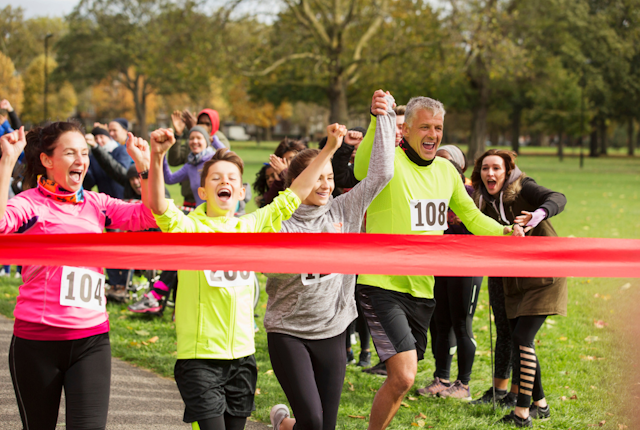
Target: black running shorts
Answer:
pixel 398 322
pixel 209 388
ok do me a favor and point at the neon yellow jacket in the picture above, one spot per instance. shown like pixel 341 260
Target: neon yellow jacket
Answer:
pixel 390 211
pixel 217 322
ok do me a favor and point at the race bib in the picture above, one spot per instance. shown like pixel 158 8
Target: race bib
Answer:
pixel 316 278
pixel 429 215
pixel 82 288
pixel 228 279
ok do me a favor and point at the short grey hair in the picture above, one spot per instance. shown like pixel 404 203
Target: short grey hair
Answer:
pixel 418 103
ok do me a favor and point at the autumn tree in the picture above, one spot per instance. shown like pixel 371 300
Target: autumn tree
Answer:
pixel 150 46
pixel 10 84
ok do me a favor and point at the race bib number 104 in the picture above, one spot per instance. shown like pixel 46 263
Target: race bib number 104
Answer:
pixel 82 288
pixel 228 278
pixel 429 215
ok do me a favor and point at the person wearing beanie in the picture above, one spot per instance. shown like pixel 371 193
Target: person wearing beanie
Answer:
pixel 103 139
pixel 201 152
pixel 453 153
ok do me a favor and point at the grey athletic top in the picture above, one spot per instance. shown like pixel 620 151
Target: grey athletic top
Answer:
pixel 316 306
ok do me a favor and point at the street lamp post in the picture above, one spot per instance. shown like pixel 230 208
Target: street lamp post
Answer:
pixel 46 76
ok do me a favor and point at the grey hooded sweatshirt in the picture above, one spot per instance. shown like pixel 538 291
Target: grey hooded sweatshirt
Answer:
pixel 321 306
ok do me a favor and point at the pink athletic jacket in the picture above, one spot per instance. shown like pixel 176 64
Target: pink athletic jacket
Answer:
pixel 30 212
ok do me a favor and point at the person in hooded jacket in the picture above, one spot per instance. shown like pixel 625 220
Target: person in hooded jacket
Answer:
pixel 177 156
pixel 506 194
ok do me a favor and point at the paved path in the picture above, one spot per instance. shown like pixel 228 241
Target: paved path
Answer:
pixel 139 399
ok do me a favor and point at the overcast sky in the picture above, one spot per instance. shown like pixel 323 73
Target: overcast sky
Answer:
pixel 42 7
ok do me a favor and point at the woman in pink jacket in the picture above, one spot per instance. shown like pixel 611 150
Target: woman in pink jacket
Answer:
pixel 61 331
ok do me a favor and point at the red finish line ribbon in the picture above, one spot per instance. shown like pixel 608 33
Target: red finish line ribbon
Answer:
pixel 448 255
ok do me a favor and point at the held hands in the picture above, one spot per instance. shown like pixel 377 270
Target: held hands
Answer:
pixel 12 144
pixel 138 149
pixel 161 140
pixel 378 103
pixel 335 134
pixel 515 231
pixel 278 164
pixel 178 122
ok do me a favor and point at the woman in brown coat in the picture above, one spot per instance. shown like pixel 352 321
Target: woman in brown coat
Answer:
pixel 506 194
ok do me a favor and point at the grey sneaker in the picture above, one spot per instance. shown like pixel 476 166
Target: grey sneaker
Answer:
pixel 538 413
pixel 117 293
pixel 456 391
pixel 433 389
pixel 277 415
pixel 365 359
pixel 147 303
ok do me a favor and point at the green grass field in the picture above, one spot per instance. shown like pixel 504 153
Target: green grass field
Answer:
pixel 582 365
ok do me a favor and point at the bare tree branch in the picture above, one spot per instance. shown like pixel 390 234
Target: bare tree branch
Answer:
pixel 283 60
pixel 320 30
pixel 357 53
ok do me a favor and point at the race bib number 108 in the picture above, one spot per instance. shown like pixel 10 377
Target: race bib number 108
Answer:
pixel 429 215
pixel 82 288
pixel 228 278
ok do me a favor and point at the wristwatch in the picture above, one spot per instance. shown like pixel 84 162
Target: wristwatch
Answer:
pixel 144 175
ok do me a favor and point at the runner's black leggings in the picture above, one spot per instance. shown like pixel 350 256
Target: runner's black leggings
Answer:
pixel 503 331
pixel 39 370
pixel 311 373
pixel 523 335
pixel 456 300
pixel 359 325
pixel 223 422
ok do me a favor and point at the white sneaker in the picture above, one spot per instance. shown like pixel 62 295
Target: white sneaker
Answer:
pixel 277 415
pixel 3 273
pixel 18 275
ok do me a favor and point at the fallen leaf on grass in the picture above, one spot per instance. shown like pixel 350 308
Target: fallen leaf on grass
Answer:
pixel 610 414
pixel 258 391
pixel 144 343
pixel 122 317
pixel 625 287
pixel 419 423
pixel 154 339
pixel 421 415
pixel 351 387
pixel 591 339
pixel 563 398
pixel 601 423
pixel 574 397
pixel 484 328
pixel 142 332
pixel 622 426
pixel 600 323
pixel 563 338
pixel 591 358
pixel 269 372
pixel 373 390
pixel 406 405
pixel 360 417
pixel 413 399
pixel 549 321
pixel 593 387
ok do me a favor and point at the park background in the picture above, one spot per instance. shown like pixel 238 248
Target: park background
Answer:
pixel 550 79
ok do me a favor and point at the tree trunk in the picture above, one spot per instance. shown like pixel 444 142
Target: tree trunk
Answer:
pixel 516 116
pixel 630 142
pixel 480 82
pixel 593 141
pixel 338 101
pixel 561 145
pixel 602 131
pixel 140 106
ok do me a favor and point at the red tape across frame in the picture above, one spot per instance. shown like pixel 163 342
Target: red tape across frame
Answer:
pixel 448 255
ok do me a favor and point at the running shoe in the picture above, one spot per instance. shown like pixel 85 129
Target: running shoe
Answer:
pixel 365 359
pixel 487 397
pixel 512 419
pixel 18 275
pixel 538 413
pixel 277 415
pixel 351 359
pixel 148 303
pixel 433 389
pixel 378 369
pixel 3 273
pixel 456 391
pixel 509 401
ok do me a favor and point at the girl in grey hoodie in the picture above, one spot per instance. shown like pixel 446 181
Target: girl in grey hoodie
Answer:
pixel 307 314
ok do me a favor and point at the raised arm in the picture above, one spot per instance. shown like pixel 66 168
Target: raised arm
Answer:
pixel 378 107
pixel 110 165
pixel 138 149
pixel 11 145
pixel 304 183
pixel 173 178
pixel 161 141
